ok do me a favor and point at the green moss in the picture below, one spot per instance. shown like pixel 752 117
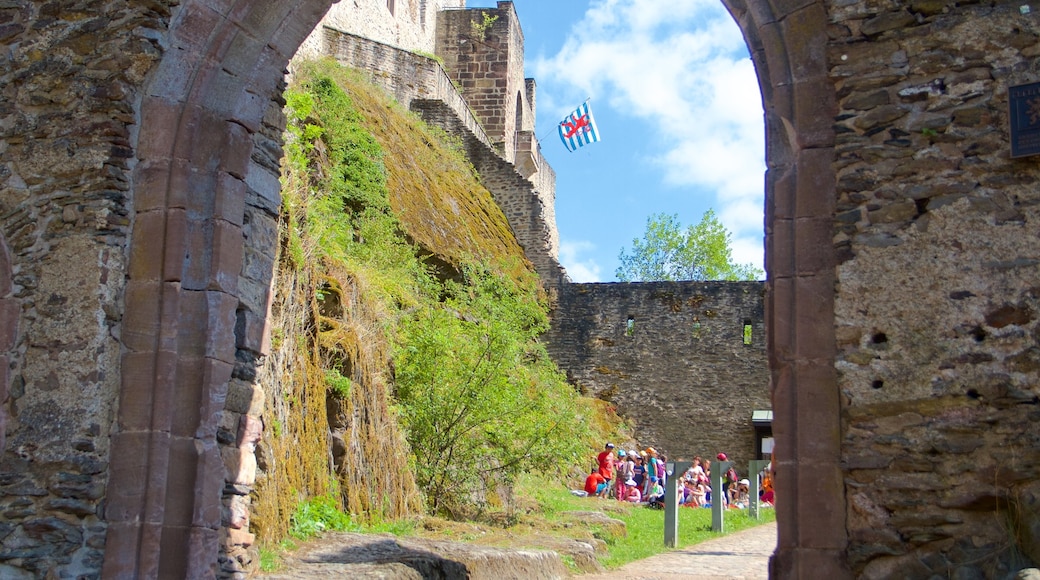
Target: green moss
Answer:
pixel 383 219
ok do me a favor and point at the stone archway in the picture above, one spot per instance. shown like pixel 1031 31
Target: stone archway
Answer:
pixel 203 121
pixel 201 114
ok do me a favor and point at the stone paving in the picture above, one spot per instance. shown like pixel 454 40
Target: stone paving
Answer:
pixel 744 555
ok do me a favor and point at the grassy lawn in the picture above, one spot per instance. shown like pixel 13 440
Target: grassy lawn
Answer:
pixel 645 527
pixel 543 511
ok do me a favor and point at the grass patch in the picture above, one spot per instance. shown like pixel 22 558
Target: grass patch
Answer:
pixel 645 527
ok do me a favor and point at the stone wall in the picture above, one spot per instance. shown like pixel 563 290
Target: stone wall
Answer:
pixel 672 357
pixel 405 75
pixel 69 79
pixel 410 25
pixel 937 299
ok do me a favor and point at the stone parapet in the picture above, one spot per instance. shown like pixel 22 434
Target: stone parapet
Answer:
pixel 673 357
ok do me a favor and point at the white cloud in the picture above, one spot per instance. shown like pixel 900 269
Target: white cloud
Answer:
pixel 579 269
pixel 683 68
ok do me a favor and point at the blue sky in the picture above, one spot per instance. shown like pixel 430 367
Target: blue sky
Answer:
pixel 679 113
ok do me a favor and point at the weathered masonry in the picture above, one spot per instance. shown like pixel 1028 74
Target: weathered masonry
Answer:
pixel 684 361
pixel 139 146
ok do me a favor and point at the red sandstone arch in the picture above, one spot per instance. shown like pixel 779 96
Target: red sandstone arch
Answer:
pixel 203 105
pixel 8 333
pixel 788 46
pixel 207 98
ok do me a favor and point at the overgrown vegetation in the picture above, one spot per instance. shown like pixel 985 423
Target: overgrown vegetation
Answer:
pixel 408 365
pixel 480 397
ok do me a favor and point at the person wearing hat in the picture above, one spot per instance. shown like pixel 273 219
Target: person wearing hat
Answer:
pixel 632 492
pixel 651 470
pixel 739 493
pixel 606 463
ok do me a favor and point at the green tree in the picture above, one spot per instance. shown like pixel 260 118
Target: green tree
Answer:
pixel 667 253
pixel 480 397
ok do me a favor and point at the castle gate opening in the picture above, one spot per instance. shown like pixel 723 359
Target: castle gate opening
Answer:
pixel 202 123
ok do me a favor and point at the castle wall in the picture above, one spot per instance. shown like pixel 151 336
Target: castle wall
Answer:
pixel 483 51
pixel 680 371
pixel 937 298
pixel 68 81
pixel 408 24
pixel 405 75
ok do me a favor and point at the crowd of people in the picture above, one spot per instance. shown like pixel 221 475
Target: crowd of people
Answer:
pixel 640 477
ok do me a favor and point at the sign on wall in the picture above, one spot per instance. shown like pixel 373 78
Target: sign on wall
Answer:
pixel 1024 119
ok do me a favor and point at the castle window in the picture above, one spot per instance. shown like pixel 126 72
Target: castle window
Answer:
pixel 747 331
pixel 630 328
pixel 390 6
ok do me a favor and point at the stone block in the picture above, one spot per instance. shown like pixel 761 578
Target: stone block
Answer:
pixel 215 380
pixel 242 53
pixel 814 317
pixel 152 179
pixel 174 554
pixel 176 238
pixel 237 148
pixel 180 488
pixel 203 549
pixel 160 113
pixel 783 249
pixel 186 397
pixel 818 437
pixel 240 537
pixel 209 484
pixel 230 199
pixel 816 181
pixel 781 195
pixel 9 317
pixel 148 248
pixel 813 247
pixel 250 430
pixel 238 512
pixel 127 476
pixel 136 394
pixel 245 398
pixel 251 331
pixel 227 257
pixel 264 183
pixel 141 320
pixel 783 319
pixel 240 464
pixel 193 26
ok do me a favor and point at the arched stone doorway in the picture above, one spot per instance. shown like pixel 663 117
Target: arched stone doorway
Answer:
pixel 201 161
pixel 202 120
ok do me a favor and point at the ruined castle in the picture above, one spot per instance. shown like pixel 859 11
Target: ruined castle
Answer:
pixel 139 163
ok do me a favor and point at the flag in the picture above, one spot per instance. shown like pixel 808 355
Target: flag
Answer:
pixel 579 128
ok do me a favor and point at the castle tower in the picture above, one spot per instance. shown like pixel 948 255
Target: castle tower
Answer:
pixel 483 52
